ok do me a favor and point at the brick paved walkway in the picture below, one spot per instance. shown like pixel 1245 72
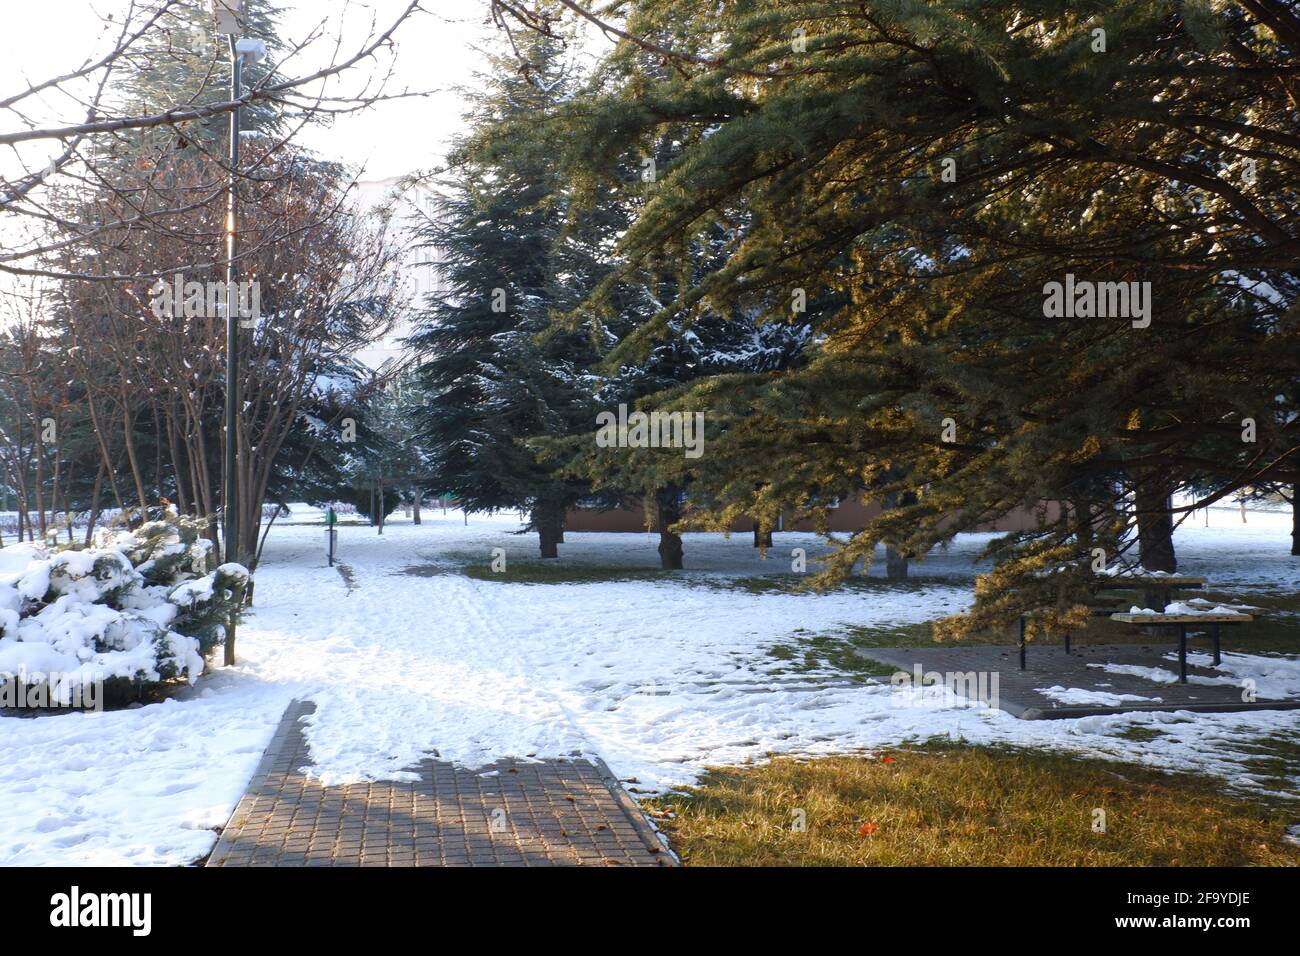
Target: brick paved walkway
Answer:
pixel 553 813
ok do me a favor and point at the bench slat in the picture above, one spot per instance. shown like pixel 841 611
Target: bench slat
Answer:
pixel 1231 617
pixel 1171 580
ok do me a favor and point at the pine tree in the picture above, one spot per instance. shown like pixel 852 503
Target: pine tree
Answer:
pixel 930 171
pixel 704 344
pixel 186 63
pixel 490 375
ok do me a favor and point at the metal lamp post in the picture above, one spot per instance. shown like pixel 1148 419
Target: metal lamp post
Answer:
pixel 228 16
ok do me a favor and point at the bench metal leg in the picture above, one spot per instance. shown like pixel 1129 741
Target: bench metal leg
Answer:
pixel 1216 644
pixel 1182 653
pixel 1022 642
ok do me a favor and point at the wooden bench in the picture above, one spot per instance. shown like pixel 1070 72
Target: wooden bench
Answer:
pixel 1217 620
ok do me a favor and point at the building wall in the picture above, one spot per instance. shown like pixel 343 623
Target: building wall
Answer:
pixel 852 515
pixel 407 209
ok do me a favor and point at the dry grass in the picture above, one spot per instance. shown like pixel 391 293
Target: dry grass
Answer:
pixel 968 806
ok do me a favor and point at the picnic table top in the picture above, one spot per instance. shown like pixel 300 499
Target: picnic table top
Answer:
pixel 1152 617
pixel 1171 580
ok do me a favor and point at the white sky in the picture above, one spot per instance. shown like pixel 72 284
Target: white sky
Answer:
pixel 436 51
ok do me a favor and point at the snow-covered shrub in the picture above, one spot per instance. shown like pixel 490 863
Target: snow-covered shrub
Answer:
pixel 142 605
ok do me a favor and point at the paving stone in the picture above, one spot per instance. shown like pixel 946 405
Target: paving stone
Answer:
pixel 530 813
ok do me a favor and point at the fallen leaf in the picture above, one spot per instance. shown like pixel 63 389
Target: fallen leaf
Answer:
pixel 868 828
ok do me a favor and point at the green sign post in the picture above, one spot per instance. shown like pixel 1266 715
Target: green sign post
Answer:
pixel 331 519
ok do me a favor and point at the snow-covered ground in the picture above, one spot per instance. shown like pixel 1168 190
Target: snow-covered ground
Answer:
pixel 659 677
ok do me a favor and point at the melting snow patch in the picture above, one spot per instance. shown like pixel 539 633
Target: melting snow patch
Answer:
pixel 1077 695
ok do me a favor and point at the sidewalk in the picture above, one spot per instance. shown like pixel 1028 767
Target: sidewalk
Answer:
pixel 512 813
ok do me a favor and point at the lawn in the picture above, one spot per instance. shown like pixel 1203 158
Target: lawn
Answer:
pixel 958 805
pixel 1274 630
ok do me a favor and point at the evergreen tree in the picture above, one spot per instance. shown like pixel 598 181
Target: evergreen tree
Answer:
pixel 931 170
pixel 490 375
pixel 703 345
pixel 188 64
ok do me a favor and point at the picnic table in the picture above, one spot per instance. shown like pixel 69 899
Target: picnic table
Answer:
pixel 1162 587
pixel 1215 618
pixel 1101 607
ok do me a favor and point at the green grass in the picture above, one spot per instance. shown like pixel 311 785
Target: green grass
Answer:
pixel 534 570
pixel 537 572
pixel 1275 760
pixel 1275 630
pixel 806 651
pixel 957 805
pixel 530 570
pixel 790 583
pixel 1140 734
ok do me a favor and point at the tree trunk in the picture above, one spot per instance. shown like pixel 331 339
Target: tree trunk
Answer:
pixel 670 551
pixel 415 508
pixel 895 561
pixel 128 437
pixel 670 544
pixel 229 656
pixel 548 518
pixel 103 452
pixel 94 504
pixel 1083 529
pixel 38 480
pixel 895 564
pixel 173 447
pixel 1295 519
pixel 1155 523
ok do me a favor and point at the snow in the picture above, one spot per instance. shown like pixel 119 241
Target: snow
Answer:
pixel 1188 608
pixel 1076 696
pixel 1269 677
pixel 139 786
pixel 56 616
pixel 661 677
pixel 1200 604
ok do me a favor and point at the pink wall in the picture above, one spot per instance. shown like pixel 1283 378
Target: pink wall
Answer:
pixel 849 516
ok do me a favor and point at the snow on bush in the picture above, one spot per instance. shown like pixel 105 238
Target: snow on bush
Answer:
pixel 144 605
